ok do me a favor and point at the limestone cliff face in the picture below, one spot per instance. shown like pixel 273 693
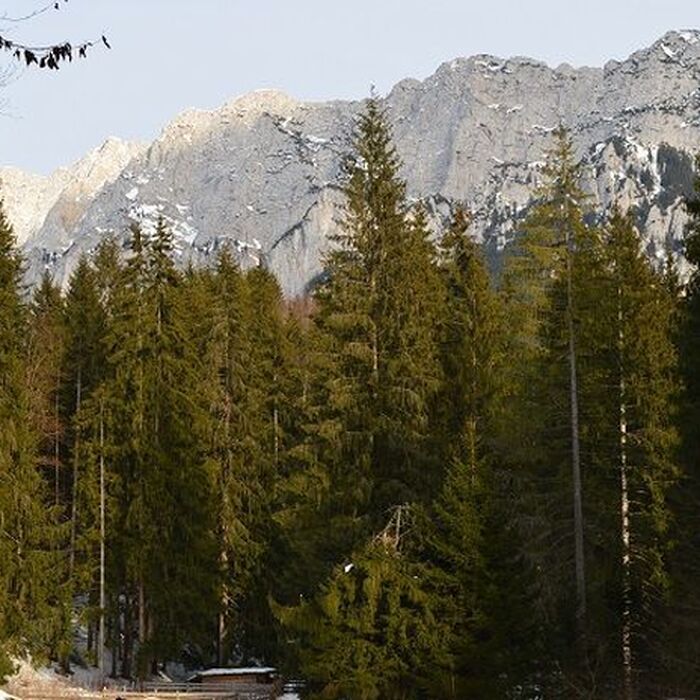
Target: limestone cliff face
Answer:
pixel 46 210
pixel 263 171
pixel 28 197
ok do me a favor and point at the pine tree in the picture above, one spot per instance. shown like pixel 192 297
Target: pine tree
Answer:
pixel 378 310
pixel 47 367
pixel 683 633
pixel 301 553
pixel 597 289
pixel 29 532
pixel 84 335
pixel 378 368
pixel 167 561
pixel 125 346
pixel 644 382
pixel 46 363
pixel 239 436
pixel 374 631
pixel 546 287
pixel 85 329
pixel 471 346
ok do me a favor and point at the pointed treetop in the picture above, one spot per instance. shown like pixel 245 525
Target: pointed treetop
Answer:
pixel 10 260
pixel 373 151
pixel 563 171
pixel 456 237
pixel 47 296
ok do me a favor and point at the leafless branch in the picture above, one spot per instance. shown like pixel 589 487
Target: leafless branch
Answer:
pixel 50 56
pixel 35 13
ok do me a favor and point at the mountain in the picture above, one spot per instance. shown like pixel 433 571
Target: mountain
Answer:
pixel 46 210
pixel 263 171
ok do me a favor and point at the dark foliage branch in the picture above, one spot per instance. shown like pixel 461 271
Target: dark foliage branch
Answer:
pixel 50 56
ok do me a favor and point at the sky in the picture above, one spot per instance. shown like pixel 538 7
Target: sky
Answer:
pixel 169 55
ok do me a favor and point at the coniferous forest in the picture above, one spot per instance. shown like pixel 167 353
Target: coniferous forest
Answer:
pixel 428 479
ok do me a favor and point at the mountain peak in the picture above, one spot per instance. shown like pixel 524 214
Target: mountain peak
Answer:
pixel 689 36
pixel 474 132
pixel 261 101
pixel 247 108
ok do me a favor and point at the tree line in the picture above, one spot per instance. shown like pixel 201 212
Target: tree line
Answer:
pixel 424 481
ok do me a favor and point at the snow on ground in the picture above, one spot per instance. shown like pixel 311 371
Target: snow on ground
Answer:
pixel 85 683
pixel 47 681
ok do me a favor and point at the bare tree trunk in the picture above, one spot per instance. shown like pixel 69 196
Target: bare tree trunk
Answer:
pixel 276 425
pixel 220 633
pixel 575 450
pixel 627 663
pixel 221 622
pixel 57 450
pixel 101 633
pixel 375 336
pixel 224 527
pixel 472 424
pixel 115 644
pixel 126 614
pixel 74 492
pixel 142 665
pixel 375 375
pixel 223 558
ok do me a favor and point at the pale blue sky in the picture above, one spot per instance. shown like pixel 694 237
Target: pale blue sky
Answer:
pixel 172 54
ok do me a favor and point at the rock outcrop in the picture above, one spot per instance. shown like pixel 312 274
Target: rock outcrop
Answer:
pixel 263 171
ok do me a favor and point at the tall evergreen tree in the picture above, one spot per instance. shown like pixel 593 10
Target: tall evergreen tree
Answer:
pixel 598 289
pixel 644 384
pixel 683 631
pixel 85 362
pixel 29 590
pixel 378 310
pixel 46 361
pixel 377 320
pixel 375 629
pixel 470 522
pixel 238 424
pixel 547 287
pixel 164 554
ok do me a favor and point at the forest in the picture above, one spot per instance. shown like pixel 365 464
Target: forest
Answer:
pixel 428 479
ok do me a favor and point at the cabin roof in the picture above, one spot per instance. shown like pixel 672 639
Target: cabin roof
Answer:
pixel 241 671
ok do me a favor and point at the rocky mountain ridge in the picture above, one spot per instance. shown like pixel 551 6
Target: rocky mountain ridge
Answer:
pixel 263 171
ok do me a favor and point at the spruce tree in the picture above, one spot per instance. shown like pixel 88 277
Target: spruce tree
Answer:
pixel 238 426
pixel 378 310
pixel 572 281
pixel 644 382
pixel 125 349
pixel 29 534
pixel 546 287
pixel 683 632
pixel 471 346
pixel 46 360
pixel 470 522
pixel 301 552
pixel 379 370
pixel 163 550
pixel 85 363
pixel 375 629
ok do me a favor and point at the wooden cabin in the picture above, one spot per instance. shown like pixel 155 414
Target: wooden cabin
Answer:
pixel 251 675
